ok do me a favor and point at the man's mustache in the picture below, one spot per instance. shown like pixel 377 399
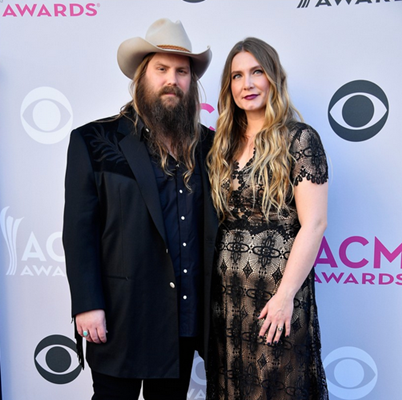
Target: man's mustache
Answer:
pixel 171 90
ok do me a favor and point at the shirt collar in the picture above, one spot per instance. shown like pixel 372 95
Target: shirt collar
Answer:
pixel 127 126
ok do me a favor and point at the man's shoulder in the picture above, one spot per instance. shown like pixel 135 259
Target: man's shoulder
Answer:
pixel 116 127
pixel 103 124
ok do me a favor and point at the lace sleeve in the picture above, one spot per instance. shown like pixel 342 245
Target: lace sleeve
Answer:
pixel 308 151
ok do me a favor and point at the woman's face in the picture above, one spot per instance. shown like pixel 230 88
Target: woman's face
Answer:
pixel 249 84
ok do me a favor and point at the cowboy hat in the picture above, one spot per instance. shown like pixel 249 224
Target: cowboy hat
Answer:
pixel 163 36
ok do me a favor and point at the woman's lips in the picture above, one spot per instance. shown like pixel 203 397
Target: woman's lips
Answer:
pixel 250 96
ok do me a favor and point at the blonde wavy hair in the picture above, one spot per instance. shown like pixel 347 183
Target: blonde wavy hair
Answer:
pixel 272 161
pixel 188 154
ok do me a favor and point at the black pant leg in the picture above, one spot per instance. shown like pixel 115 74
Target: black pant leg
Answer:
pixel 111 388
pixel 173 389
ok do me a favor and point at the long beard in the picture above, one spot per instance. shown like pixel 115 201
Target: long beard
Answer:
pixel 171 121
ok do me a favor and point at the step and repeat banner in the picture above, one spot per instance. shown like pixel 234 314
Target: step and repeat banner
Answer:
pixel 58 70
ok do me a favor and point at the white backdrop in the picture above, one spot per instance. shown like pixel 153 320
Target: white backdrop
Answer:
pixel 58 70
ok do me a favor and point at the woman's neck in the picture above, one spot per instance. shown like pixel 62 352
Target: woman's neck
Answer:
pixel 254 125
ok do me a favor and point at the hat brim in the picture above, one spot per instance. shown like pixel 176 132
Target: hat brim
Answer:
pixel 132 51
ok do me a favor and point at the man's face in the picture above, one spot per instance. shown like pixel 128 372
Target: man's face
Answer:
pixel 168 76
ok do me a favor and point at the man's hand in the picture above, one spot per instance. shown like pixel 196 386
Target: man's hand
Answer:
pixel 94 324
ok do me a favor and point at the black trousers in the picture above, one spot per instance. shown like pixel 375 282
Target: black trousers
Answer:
pixel 111 388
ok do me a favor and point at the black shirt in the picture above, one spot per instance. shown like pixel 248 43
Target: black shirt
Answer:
pixel 182 214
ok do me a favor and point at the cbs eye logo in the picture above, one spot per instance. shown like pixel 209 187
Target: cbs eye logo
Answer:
pixel 46 115
pixel 56 359
pixel 351 373
pixel 358 111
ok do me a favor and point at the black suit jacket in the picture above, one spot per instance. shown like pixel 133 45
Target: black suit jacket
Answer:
pixel 116 250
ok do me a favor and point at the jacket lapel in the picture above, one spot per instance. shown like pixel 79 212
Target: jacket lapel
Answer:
pixel 139 161
pixel 210 217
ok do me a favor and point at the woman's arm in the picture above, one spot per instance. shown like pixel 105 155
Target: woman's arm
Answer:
pixel 311 204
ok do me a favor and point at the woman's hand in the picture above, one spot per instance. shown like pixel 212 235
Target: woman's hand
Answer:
pixel 278 314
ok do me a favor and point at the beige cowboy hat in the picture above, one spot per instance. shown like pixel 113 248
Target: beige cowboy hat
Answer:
pixel 163 36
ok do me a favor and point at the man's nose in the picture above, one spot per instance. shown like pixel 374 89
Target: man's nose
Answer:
pixel 171 78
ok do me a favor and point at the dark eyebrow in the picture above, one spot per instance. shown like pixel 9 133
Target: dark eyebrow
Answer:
pixel 184 67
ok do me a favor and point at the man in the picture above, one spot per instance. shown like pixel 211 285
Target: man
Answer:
pixel 139 226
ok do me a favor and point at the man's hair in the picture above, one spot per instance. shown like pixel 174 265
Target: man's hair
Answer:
pixel 185 147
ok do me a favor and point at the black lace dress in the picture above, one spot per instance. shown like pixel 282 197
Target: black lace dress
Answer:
pixel 248 270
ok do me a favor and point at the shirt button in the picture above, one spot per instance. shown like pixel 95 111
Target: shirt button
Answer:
pixel 167 250
pixel 185 271
pixel 172 285
pixel 180 191
pixel 183 218
pixel 184 244
pixel 185 297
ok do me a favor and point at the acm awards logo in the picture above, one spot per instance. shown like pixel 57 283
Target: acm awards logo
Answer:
pixel 354 268
pixel 198 382
pixel 351 373
pixel 39 258
pixel 48 10
pixel 56 360
pixel 358 111
pixel 330 3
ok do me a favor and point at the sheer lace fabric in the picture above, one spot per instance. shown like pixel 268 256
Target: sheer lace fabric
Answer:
pixel 249 266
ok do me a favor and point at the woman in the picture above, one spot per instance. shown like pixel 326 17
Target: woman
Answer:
pixel 268 177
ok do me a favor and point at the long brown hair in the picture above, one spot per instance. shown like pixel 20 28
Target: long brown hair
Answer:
pixel 272 162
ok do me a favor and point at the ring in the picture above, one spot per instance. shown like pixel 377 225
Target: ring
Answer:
pixel 280 328
pixel 85 333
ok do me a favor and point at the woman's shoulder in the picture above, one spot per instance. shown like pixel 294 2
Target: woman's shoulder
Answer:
pixel 308 152
pixel 299 129
pixel 303 135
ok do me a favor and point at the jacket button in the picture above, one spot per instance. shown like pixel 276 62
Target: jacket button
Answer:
pixel 172 285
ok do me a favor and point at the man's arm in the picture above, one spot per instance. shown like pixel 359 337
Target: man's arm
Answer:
pixel 81 240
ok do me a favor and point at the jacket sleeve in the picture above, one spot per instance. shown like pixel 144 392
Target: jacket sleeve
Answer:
pixel 81 229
